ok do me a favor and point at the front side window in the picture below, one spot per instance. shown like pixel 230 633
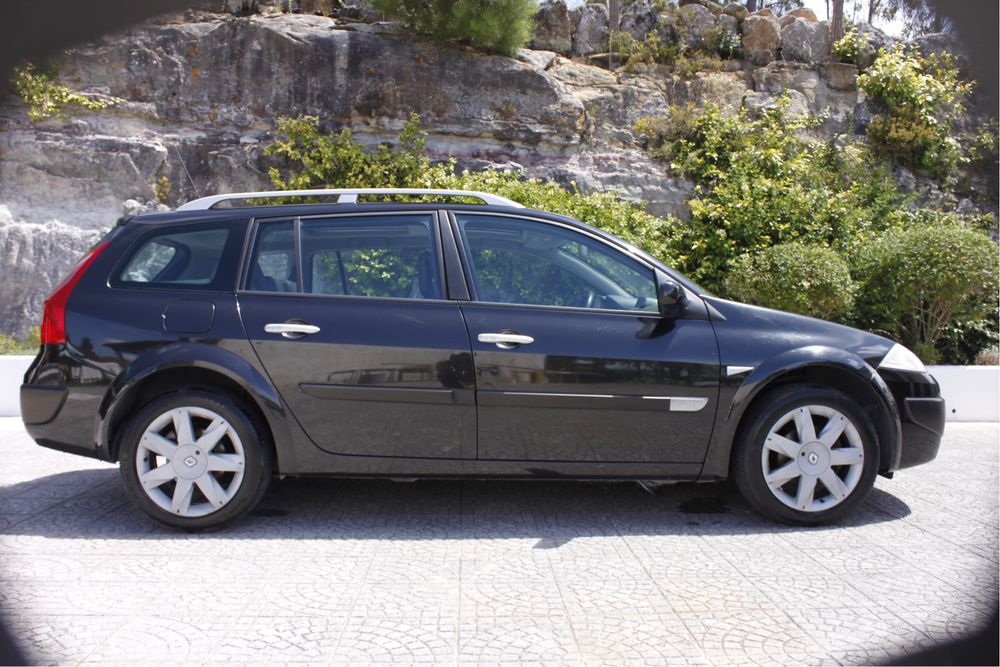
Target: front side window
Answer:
pixel 528 262
pixel 202 258
pixel 393 256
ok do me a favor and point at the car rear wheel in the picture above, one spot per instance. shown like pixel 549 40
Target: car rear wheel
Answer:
pixel 807 456
pixel 194 460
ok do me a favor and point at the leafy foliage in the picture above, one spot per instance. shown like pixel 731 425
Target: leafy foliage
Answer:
pixel 45 98
pixel 761 184
pixel 920 97
pixel 495 26
pixel 11 345
pixel 796 277
pixel 772 210
pixel 921 280
pixel 848 48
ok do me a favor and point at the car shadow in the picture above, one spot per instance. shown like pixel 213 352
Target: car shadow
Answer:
pixel 90 504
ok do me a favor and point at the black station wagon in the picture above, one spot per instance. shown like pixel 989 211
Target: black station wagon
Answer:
pixel 209 348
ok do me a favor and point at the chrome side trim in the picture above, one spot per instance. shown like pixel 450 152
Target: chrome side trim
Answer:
pixel 554 394
pixel 676 403
pixel 687 403
pixel 737 370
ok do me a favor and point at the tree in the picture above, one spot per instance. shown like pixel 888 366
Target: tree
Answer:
pixel 837 23
pixel 919 17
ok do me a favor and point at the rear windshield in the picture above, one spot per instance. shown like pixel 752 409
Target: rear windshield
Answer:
pixel 193 257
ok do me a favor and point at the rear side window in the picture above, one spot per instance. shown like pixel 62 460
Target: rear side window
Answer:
pixel 386 255
pixel 201 257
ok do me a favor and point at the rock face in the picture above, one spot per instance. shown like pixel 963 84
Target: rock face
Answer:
pixel 202 95
pixel 798 13
pixel 692 25
pixel 591 33
pixel 639 18
pixel 761 37
pixel 806 42
pixel 553 31
pixel 874 40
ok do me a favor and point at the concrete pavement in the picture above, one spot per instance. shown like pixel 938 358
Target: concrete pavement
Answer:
pixel 495 572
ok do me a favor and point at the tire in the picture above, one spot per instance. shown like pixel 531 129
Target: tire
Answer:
pixel 214 473
pixel 775 470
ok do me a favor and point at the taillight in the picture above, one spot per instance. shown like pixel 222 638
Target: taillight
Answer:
pixel 53 329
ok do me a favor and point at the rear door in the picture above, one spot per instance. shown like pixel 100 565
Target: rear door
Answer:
pixel 347 314
pixel 573 360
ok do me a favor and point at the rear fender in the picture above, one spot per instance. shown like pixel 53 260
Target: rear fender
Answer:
pixel 123 396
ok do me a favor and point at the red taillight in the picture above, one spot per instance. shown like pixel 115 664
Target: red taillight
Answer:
pixel 53 329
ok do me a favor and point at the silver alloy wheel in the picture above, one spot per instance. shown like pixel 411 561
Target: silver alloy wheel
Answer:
pixel 812 458
pixel 190 461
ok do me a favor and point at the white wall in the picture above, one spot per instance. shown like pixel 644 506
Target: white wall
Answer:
pixel 972 393
pixel 12 369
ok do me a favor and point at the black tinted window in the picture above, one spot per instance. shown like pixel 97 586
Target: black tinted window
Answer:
pixel 373 256
pixel 527 262
pixel 198 258
pixel 272 266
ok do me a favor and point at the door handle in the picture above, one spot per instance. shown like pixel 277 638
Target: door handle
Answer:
pixel 291 329
pixel 505 341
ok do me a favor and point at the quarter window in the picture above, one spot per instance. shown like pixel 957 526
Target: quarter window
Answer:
pixel 196 259
pixel 527 262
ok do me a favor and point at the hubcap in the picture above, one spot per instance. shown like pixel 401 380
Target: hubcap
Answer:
pixel 812 458
pixel 190 461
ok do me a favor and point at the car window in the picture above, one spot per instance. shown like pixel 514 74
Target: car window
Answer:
pixel 272 265
pixel 530 262
pixel 201 259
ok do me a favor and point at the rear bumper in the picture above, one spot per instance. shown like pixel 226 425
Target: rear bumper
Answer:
pixel 53 419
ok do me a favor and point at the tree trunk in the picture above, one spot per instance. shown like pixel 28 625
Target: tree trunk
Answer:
pixel 837 24
pixel 751 6
pixel 614 23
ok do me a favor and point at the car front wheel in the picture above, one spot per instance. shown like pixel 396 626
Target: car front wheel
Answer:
pixel 194 460
pixel 807 456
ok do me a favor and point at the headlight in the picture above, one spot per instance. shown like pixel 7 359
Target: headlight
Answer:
pixel 901 359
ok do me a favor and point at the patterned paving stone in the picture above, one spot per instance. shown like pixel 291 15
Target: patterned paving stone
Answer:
pixel 495 573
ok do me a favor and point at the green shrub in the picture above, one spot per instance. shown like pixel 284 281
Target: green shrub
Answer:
pixel 46 98
pixel 496 26
pixel 313 159
pixel 316 159
pixel 723 43
pixel 848 48
pixel 11 345
pixel 760 183
pixel 920 97
pixel 920 281
pixel 648 51
pixel 810 280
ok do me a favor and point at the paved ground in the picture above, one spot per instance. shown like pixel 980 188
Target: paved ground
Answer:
pixel 489 572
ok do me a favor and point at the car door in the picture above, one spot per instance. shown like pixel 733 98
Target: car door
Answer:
pixel 573 360
pixel 348 316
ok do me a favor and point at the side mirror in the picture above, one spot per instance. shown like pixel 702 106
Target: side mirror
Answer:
pixel 670 295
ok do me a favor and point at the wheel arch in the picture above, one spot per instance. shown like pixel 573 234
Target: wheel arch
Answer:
pixel 819 365
pixel 197 366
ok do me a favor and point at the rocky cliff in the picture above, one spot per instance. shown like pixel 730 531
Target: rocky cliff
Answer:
pixel 201 93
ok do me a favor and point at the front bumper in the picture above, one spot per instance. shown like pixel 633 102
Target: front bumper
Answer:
pixel 922 415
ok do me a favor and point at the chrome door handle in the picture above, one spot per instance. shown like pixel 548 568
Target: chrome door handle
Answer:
pixel 291 329
pixel 505 341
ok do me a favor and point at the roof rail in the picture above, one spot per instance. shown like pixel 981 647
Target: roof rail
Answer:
pixel 344 196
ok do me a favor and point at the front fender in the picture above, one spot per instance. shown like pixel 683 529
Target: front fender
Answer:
pixel 837 367
pixel 230 364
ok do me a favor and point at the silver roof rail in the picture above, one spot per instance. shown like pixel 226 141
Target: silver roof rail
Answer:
pixel 344 196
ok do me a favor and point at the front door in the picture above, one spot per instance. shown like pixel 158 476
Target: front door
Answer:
pixel 573 360
pixel 348 317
